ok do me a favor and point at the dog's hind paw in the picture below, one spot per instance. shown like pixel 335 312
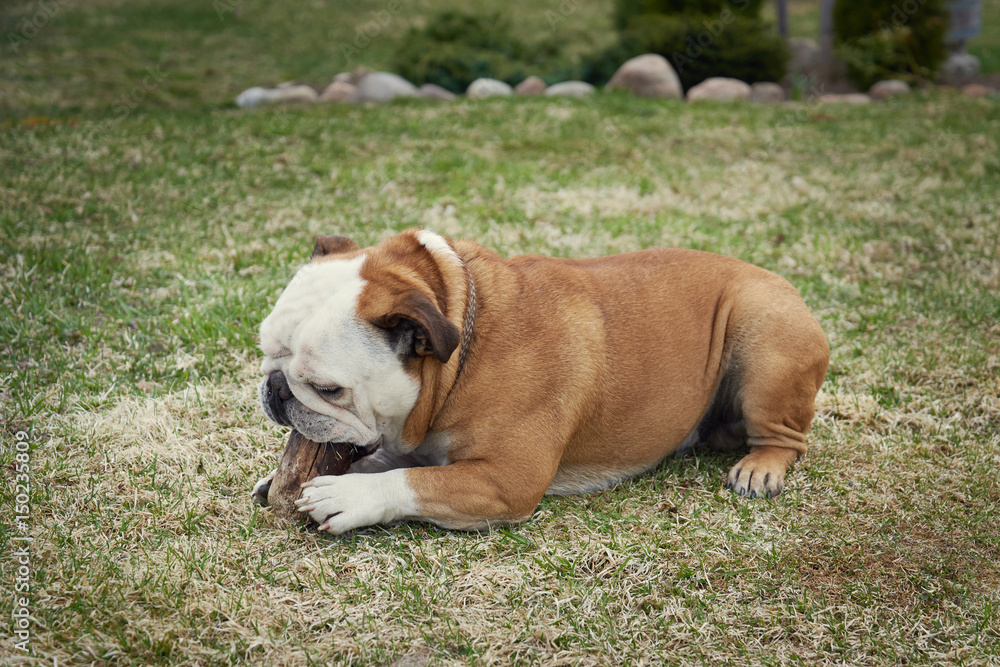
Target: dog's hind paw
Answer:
pixel 761 472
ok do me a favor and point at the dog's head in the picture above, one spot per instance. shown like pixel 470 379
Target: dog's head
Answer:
pixel 357 335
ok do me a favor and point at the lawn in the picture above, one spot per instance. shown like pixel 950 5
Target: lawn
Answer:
pixel 139 252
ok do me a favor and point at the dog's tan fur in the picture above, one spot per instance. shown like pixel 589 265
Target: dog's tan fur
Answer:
pixel 583 372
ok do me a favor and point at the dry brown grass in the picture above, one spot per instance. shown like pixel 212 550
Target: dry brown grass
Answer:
pixel 137 263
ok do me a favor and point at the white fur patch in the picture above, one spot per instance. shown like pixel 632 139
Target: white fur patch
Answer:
pixel 351 501
pixel 333 285
pixel 314 337
pixel 437 245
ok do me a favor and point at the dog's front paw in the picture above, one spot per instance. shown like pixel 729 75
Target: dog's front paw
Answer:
pixel 260 489
pixel 344 502
pixel 761 472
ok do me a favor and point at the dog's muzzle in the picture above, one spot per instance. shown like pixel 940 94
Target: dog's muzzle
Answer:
pixel 274 393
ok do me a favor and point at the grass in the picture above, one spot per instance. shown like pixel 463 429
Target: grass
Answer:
pixel 140 251
pixel 89 56
pixel 986 46
pixel 803 21
pixel 64 58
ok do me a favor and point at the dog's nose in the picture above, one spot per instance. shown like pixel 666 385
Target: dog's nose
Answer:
pixel 278 392
pixel 278 385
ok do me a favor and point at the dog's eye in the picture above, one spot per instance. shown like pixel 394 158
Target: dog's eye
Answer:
pixel 329 393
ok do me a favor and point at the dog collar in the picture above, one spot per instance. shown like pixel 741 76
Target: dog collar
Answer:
pixel 468 322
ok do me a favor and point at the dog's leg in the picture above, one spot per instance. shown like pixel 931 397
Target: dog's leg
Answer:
pixel 776 398
pixel 776 426
pixel 382 461
pixel 466 495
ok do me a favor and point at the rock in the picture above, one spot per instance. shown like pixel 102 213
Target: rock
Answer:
pixel 345 77
pixel 357 74
pixel 960 65
pixel 807 58
pixel 570 89
pixel 844 98
pixel 253 97
pixel 719 88
pixel 296 93
pixel 648 75
pixel 975 90
pixel 882 90
pixel 767 92
pixel 487 88
pixel 339 91
pixel 383 86
pixel 435 92
pixel 531 86
pixel 287 92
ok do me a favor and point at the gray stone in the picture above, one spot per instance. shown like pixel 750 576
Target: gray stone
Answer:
pixel 961 65
pixel 570 89
pixel 296 93
pixel 487 88
pixel 767 92
pixel 882 90
pixel 436 92
pixel 719 88
pixel 531 86
pixel 807 59
pixel 355 75
pixel 253 97
pixel 285 93
pixel 844 98
pixel 339 91
pixel 648 75
pixel 383 86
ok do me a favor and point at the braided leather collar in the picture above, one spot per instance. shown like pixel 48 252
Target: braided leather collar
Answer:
pixel 468 322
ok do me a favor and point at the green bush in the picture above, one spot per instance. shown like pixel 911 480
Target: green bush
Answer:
pixel 879 39
pixel 626 11
pixel 487 32
pixel 698 47
pixel 456 48
pixel 455 66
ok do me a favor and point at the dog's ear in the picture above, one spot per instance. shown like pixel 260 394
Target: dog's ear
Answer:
pixel 333 245
pixel 421 326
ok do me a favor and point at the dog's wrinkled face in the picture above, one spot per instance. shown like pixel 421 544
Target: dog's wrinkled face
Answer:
pixel 327 373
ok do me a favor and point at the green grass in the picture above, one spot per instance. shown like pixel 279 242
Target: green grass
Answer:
pixel 91 55
pixel 803 21
pixel 113 57
pixel 986 46
pixel 140 255
pixel 140 251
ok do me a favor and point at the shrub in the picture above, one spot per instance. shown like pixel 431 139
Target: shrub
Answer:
pixel 486 32
pixel 626 11
pixel 890 38
pixel 698 46
pixel 455 66
pixel 455 49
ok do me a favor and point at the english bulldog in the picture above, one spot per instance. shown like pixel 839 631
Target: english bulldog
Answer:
pixel 483 383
